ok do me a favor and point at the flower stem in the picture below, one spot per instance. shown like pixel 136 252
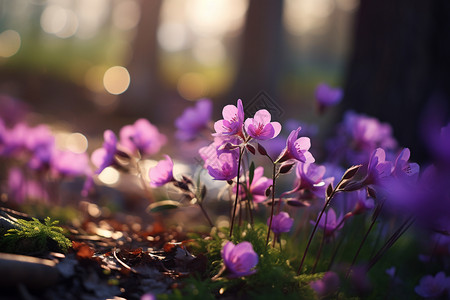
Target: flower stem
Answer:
pixel 322 242
pixel 273 202
pixel 205 214
pixel 374 219
pixel 400 231
pixel 327 202
pixel 237 191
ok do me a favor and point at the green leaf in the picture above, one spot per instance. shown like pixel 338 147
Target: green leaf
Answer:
pixel 163 205
pixel 251 173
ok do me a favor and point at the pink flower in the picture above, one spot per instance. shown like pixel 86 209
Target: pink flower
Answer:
pixel 142 137
pixel 260 127
pixel 68 163
pixel 104 157
pixel 162 173
pixel 297 148
pixel 233 119
pixel 258 187
pixel 281 223
pixel 239 259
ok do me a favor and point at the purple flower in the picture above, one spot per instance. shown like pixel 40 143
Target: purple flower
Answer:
pixel 148 296
pixel 359 201
pixel 21 189
pixel 378 168
pixel 310 178
pixel 260 127
pixel 403 169
pixel 104 157
pixel 12 110
pixel 23 139
pixel 162 173
pixel 327 96
pixel 433 287
pixel 224 167
pixel 68 163
pixel 281 223
pixel 358 136
pixel 297 148
pixel 239 259
pixel 193 120
pixel 329 223
pixel 220 163
pixel 142 137
pixel 326 286
pixel 233 119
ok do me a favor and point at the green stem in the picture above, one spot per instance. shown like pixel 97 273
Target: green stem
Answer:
pixel 327 202
pixel 273 202
pixel 241 151
pixel 374 219
pixel 322 242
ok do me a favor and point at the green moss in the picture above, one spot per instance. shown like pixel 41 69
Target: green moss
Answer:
pixel 34 236
pixel 275 277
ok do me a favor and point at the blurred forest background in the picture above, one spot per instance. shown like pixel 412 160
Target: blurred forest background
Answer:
pixel 98 64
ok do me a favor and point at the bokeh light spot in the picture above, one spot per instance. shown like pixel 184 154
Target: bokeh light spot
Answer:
pixel 109 176
pixel 172 36
pixel 9 43
pixel 116 80
pixel 76 142
pixel 126 14
pixel 59 21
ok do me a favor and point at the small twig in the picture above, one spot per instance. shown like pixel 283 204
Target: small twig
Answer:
pixel 121 262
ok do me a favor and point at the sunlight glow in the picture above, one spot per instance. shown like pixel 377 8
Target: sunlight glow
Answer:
pixel 59 21
pixel 172 36
pixel 209 52
pixel 126 14
pixel 192 86
pixel 306 16
pixel 215 18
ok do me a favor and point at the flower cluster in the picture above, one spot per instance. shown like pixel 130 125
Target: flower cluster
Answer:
pixel 366 183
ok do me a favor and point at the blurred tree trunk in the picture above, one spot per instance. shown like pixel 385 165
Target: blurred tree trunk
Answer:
pixel 260 55
pixel 146 88
pixel 401 57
